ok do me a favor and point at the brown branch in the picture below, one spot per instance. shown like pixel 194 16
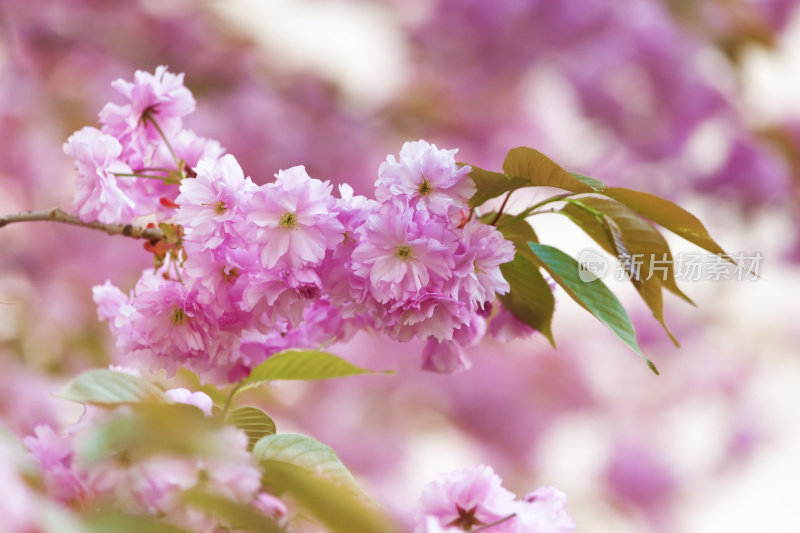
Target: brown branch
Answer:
pixel 57 215
pixel 500 211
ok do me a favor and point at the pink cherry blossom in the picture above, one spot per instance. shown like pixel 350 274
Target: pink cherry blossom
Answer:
pixel 485 249
pixel 272 507
pixel 296 220
pixel 470 498
pixel 213 203
pixel 432 525
pixel 115 306
pixel 160 96
pixel 427 177
pixel 18 505
pixel 544 511
pixel 444 357
pixel 465 499
pixel 401 252
pixel 430 315
pixel 199 399
pixel 98 194
pixel 55 455
pixel 167 325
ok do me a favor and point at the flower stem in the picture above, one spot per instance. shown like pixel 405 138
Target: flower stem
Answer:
pixel 229 399
pixel 138 175
pixel 500 211
pixel 530 211
pixel 149 117
pixel 57 215
pixel 498 522
pixel 162 169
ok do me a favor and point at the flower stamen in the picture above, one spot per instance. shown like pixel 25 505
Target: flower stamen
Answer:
pixel 178 316
pixel 425 187
pixel 288 221
pixel 404 252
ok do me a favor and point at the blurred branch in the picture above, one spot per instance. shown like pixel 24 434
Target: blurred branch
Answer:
pixel 55 214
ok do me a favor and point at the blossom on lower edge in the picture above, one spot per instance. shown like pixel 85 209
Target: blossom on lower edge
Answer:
pixel 154 483
pixel 470 498
pixel 18 506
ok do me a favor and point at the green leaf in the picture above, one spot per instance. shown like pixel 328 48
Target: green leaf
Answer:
pixel 149 429
pixel 516 230
pixel 309 453
pixel 254 422
pixel 611 237
pixel 592 295
pixel 302 365
pixel 340 511
pixel 237 516
pixel 667 214
pixel 530 298
pixel 540 170
pixel 595 184
pixel 490 185
pixel 107 387
pixel 642 242
pixel 116 522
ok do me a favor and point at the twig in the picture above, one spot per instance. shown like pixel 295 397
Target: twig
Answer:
pixel 489 526
pixel 57 215
pixel 500 211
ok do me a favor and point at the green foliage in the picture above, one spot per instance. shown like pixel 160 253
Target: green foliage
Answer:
pixel 149 429
pixel 339 510
pixel 668 215
pixel 301 365
pixel 492 184
pixel 254 422
pixel 530 298
pixel 313 475
pixel 594 296
pixel 540 170
pixel 116 522
pixel 635 242
pixel 595 184
pixel 308 453
pixel 107 387
pixel 619 220
pixel 238 516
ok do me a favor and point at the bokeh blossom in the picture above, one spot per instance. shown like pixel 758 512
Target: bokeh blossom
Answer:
pixel 467 499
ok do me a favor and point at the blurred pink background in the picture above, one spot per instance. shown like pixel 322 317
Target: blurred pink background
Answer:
pixel 695 101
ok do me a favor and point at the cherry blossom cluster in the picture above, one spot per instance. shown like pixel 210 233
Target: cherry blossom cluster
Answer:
pixel 125 168
pixel 154 484
pixel 286 264
pixel 472 498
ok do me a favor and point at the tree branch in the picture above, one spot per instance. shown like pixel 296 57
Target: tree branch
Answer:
pixel 57 215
